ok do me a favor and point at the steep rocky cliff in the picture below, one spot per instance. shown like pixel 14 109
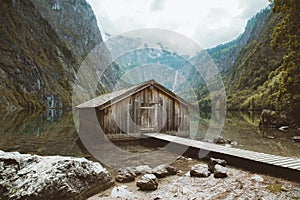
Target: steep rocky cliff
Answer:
pixel 42 44
pixel 73 21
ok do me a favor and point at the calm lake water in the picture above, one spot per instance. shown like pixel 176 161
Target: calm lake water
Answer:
pixel 53 133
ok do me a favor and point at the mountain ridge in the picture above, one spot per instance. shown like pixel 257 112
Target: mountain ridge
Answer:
pixel 41 53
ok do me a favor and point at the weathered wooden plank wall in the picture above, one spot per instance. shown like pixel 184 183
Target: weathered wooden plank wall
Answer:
pixel 150 110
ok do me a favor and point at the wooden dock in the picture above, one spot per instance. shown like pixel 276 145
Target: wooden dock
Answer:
pixel 284 167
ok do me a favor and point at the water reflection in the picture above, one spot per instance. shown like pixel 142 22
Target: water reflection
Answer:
pixel 53 133
pixel 45 133
pixel 242 127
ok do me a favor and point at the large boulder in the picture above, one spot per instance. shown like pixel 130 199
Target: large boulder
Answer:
pixel 271 119
pixel 199 170
pixel 148 182
pixel 25 176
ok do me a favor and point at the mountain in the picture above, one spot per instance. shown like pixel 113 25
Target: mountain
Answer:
pixel 257 75
pixel 142 61
pixel 254 63
pixel 42 45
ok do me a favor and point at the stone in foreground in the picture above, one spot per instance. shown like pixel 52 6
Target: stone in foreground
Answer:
pixel 148 182
pixel 220 171
pixel 126 175
pixel 164 170
pixel 25 176
pixel 213 161
pixel 199 170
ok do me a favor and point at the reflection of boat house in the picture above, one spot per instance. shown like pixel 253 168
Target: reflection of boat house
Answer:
pixel 146 107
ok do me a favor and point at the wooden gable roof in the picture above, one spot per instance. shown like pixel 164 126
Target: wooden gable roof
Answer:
pixel 116 96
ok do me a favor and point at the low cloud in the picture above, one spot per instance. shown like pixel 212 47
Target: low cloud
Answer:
pixel 207 22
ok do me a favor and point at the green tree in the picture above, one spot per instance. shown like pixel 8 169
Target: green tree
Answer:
pixel 286 34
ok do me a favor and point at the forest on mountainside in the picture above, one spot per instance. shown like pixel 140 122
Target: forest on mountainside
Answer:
pixel 261 67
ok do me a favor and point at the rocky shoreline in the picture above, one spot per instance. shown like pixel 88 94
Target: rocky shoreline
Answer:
pixel 237 184
pixel 25 176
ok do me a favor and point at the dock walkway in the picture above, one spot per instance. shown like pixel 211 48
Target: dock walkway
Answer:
pixel 280 166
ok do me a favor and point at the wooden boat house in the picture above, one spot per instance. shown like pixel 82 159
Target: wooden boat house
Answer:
pixel 142 108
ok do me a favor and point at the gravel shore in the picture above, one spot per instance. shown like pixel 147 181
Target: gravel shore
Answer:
pixel 239 184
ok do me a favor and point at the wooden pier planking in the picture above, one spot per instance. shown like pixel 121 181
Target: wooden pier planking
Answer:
pixel 285 167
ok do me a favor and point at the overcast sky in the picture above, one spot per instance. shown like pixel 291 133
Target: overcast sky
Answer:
pixel 207 22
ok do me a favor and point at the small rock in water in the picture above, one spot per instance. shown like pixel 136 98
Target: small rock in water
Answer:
pixel 199 170
pixel 296 138
pixel 284 128
pixel 213 161
pixel 234 143
pixel 219 140
pixel 148 182
pixel 220 171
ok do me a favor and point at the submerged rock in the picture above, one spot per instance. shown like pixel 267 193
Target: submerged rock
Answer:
pixel 148 182
pixel 213 162
pixel 220 171
pixel 25 176
pixel 199 170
